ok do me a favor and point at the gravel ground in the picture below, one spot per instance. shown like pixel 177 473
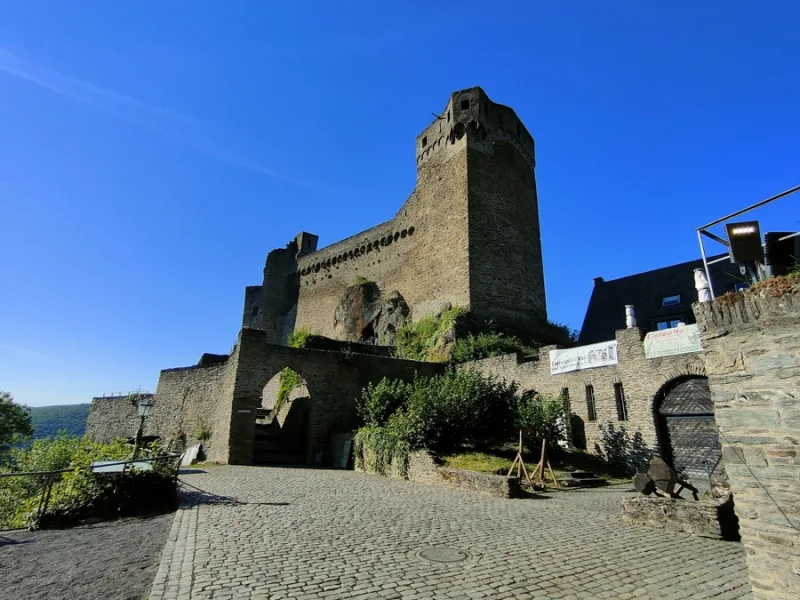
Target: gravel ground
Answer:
pixel 113 560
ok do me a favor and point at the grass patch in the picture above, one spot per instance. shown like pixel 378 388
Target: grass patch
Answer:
pixel 478 461
pixel 498 462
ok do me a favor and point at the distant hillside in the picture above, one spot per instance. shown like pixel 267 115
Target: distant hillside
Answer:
pixel 49 420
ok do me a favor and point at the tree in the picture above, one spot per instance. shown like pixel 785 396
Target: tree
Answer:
pixel 15 421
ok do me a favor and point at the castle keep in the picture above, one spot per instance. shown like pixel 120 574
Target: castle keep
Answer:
pixel 468 235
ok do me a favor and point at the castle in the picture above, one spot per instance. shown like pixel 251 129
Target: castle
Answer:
pixel 468 235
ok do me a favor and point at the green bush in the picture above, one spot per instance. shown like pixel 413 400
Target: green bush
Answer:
pixel 453 409
pixel 79 493
pixel 202 432
pixel 439 413
pixel 545 416
pixel 379 401
pixel 15 422
pixel 429 338
pixel 486 345
pixel 299 338
pixel 289 380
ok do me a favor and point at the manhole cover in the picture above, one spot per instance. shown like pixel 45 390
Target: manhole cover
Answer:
pixel 443 555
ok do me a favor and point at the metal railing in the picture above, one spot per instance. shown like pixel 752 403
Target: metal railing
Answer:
pixel 45 480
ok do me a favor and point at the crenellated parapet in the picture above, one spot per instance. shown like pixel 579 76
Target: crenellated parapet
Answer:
pixel 470 117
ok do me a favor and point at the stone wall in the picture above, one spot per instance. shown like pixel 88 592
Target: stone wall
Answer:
pixel 468 234
pixel 223 397
pixel 751 343
pixel 334 380
pixel 641 378
pixel 186 400
pixel 705 518
pixel 189 399
pixel 111 418
pixel 422 468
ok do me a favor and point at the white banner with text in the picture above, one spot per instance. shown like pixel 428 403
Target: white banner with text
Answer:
pixel 583 357
pixel 668 342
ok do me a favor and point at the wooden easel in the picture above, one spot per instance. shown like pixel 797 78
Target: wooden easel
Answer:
pixel 540 467
pixel 520 464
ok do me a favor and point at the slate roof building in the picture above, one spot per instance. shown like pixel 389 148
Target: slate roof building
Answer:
pixel 661 298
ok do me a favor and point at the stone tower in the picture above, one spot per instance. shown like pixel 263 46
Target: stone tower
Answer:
pixel 468 235
pixel 506 277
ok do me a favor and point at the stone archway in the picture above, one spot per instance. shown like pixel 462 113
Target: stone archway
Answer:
pixel 688 437
pixel 281 435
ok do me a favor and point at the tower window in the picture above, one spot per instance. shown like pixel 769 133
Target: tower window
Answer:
pixel 424 141
pixel 671 300
pixel 448 116
pixel 464 104
pixel 255 311
pixel 619 396
pixel 591 409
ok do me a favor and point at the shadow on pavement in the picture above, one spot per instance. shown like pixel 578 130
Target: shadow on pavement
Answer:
pixel 199 496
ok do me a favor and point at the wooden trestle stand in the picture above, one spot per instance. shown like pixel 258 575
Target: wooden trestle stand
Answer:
pixel 537 471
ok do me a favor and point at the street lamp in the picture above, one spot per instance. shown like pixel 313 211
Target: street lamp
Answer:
pixel 145 409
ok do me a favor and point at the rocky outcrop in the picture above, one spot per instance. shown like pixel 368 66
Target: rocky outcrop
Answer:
pixel 365 315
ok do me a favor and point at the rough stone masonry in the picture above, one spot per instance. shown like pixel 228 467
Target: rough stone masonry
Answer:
pixel 752 357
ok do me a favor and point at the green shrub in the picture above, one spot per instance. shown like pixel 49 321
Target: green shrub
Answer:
pixel 202 432
pixel 439 413
pixel 379 401
pixel 79 493
pixel 15 422
pixel 376 447
pixel 289 380
pixel 359 280
pixel 429 338
pixel 450 410
pixel 545 416
pixel 299 338
pixel 486 345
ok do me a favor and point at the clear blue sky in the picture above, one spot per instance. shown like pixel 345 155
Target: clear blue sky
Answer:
pixel 152 153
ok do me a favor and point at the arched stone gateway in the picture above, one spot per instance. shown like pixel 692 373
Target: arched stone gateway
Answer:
pixel 687 432
pixel 282 422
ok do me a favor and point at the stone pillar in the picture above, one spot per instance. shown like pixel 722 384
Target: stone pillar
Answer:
pixel 630 316
pixel 751 344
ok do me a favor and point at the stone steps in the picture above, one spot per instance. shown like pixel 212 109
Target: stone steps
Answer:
pixel 584 479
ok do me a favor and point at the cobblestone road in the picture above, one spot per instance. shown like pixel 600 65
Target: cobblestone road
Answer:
pixel 259 533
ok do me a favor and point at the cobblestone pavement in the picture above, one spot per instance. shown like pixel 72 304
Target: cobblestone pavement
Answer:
pixel 258 533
